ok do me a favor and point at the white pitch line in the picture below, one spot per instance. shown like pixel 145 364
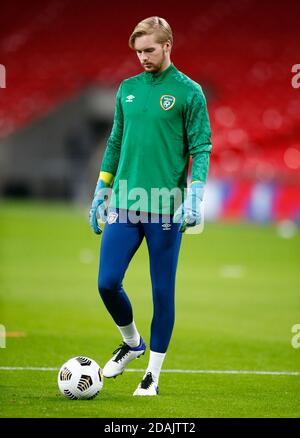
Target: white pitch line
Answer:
pixel 140 370
pixel 28 369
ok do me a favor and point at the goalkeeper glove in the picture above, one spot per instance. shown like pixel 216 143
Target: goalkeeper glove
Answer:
pixel 189 213
pixel 98 210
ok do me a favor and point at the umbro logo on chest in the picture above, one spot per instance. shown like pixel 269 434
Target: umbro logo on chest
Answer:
pixel 130 98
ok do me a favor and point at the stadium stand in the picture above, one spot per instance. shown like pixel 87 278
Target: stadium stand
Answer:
pixel 242 53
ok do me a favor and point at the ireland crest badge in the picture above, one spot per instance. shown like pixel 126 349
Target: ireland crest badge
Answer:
pixel 167 102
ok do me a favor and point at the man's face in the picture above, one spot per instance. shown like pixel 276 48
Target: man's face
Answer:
pixel 151 54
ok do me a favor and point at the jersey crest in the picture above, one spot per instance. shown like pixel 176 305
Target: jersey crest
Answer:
pixel 167 102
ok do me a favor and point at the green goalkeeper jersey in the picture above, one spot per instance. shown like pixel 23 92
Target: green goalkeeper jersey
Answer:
pixel 160 120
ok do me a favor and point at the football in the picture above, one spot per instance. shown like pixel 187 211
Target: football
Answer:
pixel 80 378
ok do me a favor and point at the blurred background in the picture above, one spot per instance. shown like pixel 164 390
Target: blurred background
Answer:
pixel 238 283
pixel 63 62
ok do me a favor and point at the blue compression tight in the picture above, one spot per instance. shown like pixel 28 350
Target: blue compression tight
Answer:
pixel 119 243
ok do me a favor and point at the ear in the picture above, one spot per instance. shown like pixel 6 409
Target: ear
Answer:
pixel 168 45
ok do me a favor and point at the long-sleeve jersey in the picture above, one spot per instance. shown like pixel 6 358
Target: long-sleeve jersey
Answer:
pixel 160 120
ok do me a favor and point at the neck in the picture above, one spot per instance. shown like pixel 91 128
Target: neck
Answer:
pixel 165 65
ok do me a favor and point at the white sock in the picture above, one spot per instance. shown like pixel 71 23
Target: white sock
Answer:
pixel 155 364
pixel 130 334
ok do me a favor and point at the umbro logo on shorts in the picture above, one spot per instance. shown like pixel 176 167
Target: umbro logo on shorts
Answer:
pixel 166 226
pixel 112 217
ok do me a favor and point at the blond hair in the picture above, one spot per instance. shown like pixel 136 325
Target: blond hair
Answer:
pixel 151 25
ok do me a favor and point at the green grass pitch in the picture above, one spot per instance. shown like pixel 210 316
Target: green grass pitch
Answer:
pixel 237 299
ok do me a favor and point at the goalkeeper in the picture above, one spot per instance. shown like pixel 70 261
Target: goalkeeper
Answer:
pixel 160 121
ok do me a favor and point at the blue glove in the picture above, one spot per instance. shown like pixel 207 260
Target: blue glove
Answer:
pixel 189 213
pixel 98 211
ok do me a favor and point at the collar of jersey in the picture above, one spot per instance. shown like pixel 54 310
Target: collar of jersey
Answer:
pixel 156 78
